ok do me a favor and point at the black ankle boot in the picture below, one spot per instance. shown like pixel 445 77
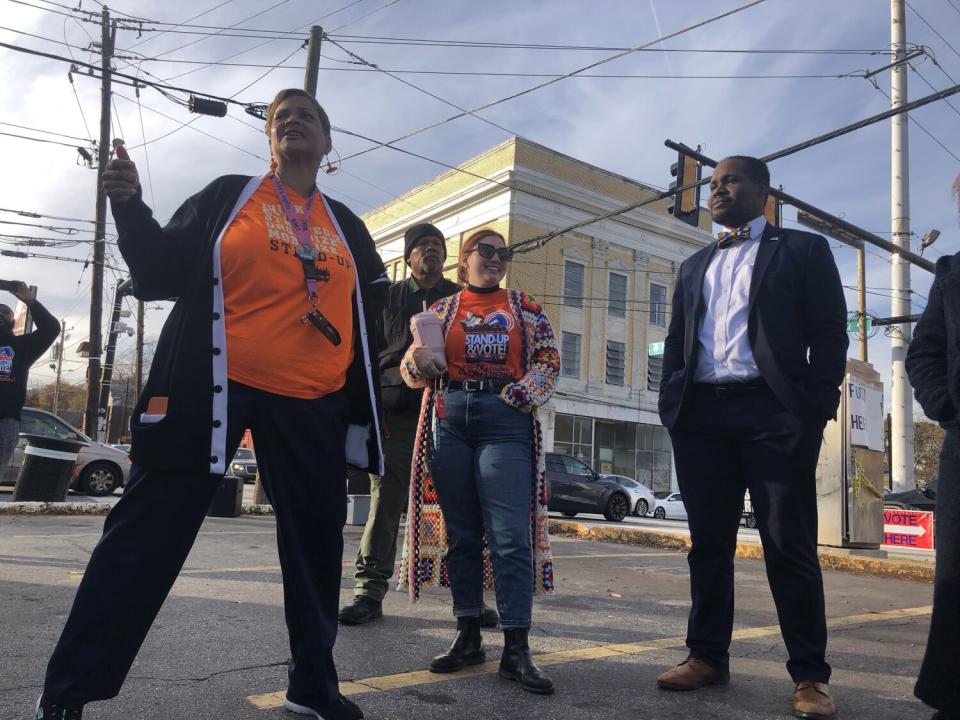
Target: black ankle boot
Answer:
pixel 517 664
pixel 467 648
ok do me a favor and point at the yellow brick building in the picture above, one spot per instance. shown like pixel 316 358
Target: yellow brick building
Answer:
pixel 606 287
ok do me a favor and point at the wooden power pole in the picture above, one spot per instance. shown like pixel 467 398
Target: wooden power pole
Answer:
pixel 93 422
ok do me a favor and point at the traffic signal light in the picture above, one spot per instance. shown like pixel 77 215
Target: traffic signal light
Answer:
pixel 685 205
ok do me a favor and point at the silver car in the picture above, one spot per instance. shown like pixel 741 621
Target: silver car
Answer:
pixel 641 497
pixel 100 470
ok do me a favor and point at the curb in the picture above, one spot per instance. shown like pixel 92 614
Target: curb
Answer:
pixel 830 559
pixel 91 508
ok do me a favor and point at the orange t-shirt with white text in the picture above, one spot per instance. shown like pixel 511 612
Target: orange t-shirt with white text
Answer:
pixel 484 340
pixel 265 295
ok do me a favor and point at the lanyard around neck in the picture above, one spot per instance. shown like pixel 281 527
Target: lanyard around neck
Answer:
pixel 301 228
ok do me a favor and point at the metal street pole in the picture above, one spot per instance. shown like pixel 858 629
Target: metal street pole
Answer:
pixel 93 422
pixel 901 398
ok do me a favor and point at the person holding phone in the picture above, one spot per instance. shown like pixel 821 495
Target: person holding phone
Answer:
pixel 478 468
pixel 17 354
pixel 278 288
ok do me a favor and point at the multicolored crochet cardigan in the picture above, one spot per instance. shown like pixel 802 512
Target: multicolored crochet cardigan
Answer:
pixel 424 561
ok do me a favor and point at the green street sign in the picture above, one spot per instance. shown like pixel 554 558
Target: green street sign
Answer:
pixel 853 325
pixel 655 349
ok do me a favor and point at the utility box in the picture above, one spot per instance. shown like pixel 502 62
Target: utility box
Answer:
pixel 358 508
pixel 228 500
pixel 850 468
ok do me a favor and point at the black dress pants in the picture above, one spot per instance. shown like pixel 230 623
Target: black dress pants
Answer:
pixel 939 682
pixel 724 445
pixel 148 534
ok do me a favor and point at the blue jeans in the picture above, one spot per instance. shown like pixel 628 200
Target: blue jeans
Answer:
pixel 482 464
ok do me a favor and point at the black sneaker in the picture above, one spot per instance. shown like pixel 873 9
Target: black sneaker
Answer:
pixel 53 711
pixel 339 709
pixel 362 610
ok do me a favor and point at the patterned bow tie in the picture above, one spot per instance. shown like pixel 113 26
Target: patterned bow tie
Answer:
pixel 726 239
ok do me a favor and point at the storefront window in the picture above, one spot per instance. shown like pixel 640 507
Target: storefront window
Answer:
pixel 653 457
pixel 573 435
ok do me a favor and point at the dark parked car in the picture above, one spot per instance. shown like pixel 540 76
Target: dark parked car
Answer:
pixel 916 499
pixel 575 487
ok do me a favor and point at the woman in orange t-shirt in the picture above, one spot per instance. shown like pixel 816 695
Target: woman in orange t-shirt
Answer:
pixel 278 293
pixel 485 472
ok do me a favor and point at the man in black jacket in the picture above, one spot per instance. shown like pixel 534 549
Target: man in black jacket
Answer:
pixel 933 366
pixel 753 360
pixel 17 354
pixel 424 251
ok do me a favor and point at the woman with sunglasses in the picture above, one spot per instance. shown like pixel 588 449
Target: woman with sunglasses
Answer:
pixel 479 463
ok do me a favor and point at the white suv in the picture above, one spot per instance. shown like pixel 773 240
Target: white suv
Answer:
pixel 101 469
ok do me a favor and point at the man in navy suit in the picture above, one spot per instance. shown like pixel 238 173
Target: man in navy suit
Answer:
pixel 752 365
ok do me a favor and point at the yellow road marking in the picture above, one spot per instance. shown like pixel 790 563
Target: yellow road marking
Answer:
pixel 277 568
pixel 98 534
pixel 423 677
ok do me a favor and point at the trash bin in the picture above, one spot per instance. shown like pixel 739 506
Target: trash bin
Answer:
pixel 47 469
pixel 229 498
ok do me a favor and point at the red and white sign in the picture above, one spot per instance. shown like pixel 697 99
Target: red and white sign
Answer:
pixel 908 528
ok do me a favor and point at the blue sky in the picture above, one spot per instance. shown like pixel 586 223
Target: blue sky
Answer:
pixel 618 124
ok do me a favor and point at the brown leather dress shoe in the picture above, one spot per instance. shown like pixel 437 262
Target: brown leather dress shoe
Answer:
pixel 692 674
pixel 812 700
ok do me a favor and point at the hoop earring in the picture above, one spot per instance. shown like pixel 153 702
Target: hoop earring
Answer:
pixel 332 169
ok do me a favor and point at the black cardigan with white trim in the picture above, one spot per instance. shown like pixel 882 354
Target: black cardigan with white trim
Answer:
pixel 181 260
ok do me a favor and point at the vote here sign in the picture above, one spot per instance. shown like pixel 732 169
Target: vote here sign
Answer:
pixel 908 528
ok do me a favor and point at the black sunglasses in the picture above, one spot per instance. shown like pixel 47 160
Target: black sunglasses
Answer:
pixel 487 251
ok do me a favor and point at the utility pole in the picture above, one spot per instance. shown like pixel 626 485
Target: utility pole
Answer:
pixel 313 60
pixel 56 388
pixel 901 400
pixel 862 301
pixel 93 422
pixel 107 374
pixel 139 370
pixel 126 405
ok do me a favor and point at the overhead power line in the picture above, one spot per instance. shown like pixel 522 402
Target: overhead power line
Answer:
pixel 583 69
pixel 186 28
pixel 40 140
pixel 540 240
pixel 409 84
pixel 493 73
pixel 47 132
pixel 934 30
pixel 489 45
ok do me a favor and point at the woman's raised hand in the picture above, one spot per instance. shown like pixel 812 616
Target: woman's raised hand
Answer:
pixel 120 178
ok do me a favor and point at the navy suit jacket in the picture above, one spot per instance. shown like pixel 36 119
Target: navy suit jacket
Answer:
pixel 797 325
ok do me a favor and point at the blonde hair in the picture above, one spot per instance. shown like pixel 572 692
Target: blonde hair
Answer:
pixel 467 247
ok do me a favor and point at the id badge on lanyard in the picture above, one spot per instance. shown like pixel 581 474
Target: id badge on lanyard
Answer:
pixel 308 255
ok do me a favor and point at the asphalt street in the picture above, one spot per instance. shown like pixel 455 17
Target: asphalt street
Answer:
pixel 218 648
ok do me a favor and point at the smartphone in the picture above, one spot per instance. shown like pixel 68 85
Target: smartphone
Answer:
pixel 10 285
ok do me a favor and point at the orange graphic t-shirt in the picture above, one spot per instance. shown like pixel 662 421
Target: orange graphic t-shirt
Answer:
pixel 484 341
pixel 265 296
